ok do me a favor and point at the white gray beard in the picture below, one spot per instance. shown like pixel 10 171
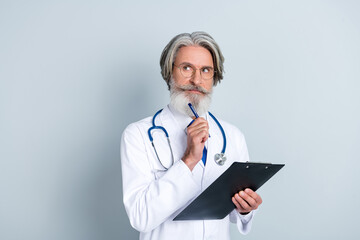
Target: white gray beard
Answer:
pixel 179 99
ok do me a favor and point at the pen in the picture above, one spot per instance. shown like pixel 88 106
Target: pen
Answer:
pixel 193 110
pixel 195 114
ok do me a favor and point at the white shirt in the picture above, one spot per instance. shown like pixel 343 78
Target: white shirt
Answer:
pixel 154 197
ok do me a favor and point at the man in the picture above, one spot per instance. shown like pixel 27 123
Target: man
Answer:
pixel 160 180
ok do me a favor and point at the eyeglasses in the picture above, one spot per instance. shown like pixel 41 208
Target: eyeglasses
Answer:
pixel 188 70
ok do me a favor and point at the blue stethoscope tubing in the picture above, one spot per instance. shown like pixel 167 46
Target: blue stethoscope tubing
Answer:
pixel 220 158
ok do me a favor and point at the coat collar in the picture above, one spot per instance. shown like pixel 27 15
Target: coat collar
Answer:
pixel 175 123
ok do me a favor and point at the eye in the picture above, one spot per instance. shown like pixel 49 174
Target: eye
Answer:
pixel 187 68
pixel 206 70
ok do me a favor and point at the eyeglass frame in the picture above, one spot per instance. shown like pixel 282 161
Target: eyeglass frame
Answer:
pixel 195 69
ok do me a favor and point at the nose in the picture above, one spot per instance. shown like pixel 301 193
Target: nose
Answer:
pixel 197 78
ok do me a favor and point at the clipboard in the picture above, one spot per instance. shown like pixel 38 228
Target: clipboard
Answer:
pixel 215 201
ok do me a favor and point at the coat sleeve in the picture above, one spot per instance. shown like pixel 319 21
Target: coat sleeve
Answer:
pixel 243 222
pixel 149 201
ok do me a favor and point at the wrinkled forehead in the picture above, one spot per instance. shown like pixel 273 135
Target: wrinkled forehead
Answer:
pixel 195 55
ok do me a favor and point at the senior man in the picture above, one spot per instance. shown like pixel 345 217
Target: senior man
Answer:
pixel 169 159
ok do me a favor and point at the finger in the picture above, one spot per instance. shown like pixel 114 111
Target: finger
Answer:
pixel 205 138
pixel 196 122
pixel 200 119
pixel 200 138
pixel 251 201
pixel 239 208
pixel 248 199
pixel 244 206
pixel 237 205
pixel 254 195
pixel 199 132
pixel 198 125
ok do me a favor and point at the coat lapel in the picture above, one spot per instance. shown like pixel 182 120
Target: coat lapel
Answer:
pixel 215 144
pixel 176 134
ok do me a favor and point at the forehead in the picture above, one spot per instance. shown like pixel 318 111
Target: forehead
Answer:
pixel 196 55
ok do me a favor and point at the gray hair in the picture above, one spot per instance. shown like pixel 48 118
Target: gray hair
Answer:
pixel 202 39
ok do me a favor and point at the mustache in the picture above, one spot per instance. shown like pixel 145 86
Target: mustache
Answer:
pixel 192 87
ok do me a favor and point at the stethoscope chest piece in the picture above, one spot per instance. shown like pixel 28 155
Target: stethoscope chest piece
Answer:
pixel 220 158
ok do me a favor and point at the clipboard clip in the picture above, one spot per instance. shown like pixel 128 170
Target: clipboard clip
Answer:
pixel 259 162
pixel 264 163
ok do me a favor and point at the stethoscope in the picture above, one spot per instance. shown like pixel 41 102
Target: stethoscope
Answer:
pixel 219 158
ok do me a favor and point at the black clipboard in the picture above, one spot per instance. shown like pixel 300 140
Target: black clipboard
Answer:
pixel 215 201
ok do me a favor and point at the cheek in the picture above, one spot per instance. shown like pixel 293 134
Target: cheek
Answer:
pixel 179 79
pixel 209 85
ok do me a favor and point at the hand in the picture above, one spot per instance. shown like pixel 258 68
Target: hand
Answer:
pixel 246 201
pixel 197 134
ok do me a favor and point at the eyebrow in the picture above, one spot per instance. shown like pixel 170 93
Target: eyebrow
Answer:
pixel 193 65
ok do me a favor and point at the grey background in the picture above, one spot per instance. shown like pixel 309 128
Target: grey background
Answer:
pixel 74 74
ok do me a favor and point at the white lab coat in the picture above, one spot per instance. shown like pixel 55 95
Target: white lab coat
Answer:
pixel 153 197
